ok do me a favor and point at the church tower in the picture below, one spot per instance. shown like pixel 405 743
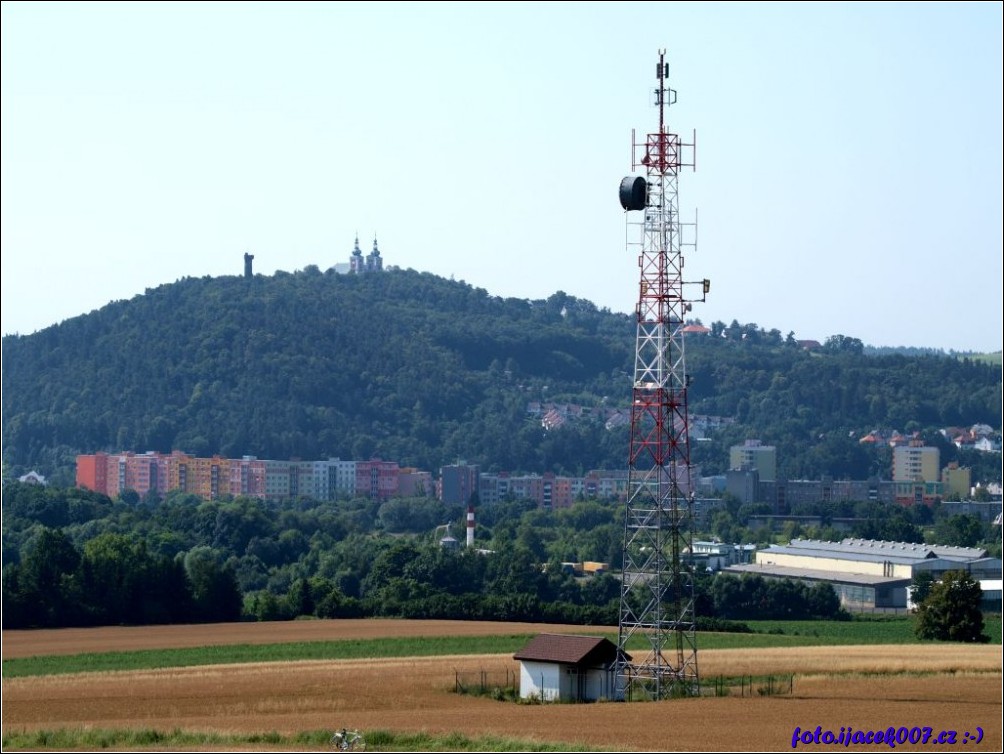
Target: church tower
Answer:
pixel 356 260
pixel 374 263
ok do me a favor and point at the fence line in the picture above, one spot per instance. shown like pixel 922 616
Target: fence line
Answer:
pixel 505 681
pixel 485 681
pixel 754 685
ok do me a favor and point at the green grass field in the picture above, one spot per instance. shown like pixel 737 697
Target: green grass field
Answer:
pixel 94 739
pixel 864 630
pixel 351 649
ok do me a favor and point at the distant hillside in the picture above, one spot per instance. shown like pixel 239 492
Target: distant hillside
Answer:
pixel 422 370
pixel 990 358
pixel 905 351
pixel 994 358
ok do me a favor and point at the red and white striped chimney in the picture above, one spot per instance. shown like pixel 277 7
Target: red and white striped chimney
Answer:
pixel 470 526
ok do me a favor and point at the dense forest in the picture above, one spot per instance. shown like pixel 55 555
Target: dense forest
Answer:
pixel 74 557
pixel 414 368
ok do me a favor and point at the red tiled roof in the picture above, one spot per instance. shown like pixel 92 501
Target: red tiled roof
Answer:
pixel 568 650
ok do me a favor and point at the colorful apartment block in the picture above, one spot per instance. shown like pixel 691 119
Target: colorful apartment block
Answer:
pixel 957 481
pixel 216 476
pixel 112 474
pixel 916 463
pixel 247 477
pixel 92 472
pixel 211 478
pixel 415 483
pixel 458 482
pixel 753 454
pixel 377 479
pixel 916 474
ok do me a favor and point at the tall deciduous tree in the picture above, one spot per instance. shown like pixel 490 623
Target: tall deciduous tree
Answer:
pixel 215 591
pixel 951 611
pixel 45 582
pixel 963 530
pixel 921 586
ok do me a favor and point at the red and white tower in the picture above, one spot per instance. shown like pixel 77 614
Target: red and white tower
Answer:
pixel 470 526
pixel 657 588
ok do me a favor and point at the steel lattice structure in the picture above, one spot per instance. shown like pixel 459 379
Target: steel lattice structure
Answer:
pixel 657 587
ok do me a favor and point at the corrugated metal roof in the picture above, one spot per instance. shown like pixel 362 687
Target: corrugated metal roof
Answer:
pixel 879 556
pixel 942 551
pixel 877 550
pixel 788 572
pixel 568 650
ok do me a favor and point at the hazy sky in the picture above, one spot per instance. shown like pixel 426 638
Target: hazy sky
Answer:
pixel 848 179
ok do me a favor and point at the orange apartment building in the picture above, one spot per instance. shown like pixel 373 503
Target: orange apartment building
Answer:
pixel 210 478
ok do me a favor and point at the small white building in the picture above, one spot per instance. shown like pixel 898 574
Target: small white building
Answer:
pixel 559 667
pixel 32 477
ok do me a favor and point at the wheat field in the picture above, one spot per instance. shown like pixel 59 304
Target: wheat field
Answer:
pixel 948 687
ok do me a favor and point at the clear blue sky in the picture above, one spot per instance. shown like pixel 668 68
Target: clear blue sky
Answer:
pixel 848 180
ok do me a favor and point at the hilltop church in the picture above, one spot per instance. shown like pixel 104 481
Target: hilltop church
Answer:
pixel 358 264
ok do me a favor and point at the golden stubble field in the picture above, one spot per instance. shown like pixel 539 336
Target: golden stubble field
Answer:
pixel 864 687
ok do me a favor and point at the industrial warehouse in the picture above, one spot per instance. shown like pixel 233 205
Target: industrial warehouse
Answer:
pixel 868 574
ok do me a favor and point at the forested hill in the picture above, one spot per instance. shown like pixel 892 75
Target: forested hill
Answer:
pixel 414 368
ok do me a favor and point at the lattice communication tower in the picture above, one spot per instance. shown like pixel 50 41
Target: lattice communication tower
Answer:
pixel 657 586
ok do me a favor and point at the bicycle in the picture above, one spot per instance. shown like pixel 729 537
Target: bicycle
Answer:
pixel 348 740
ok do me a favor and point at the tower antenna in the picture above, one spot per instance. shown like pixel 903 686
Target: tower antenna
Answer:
pixel 657 587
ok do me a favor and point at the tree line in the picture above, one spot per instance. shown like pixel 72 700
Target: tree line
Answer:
pixel 114 580
pixel 76 558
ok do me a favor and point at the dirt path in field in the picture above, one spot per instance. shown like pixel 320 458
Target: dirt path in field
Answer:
pixel 943 687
